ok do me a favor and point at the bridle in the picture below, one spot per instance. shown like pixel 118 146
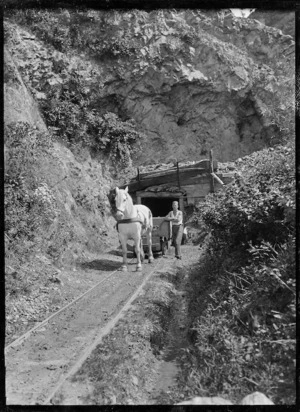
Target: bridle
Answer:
pixel 122 211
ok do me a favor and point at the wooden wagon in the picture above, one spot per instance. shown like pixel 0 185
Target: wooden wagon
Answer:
pixel 161 236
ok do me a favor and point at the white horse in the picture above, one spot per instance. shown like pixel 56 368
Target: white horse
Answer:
pixel 133 221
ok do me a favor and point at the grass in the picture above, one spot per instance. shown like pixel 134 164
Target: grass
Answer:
pixel 239 343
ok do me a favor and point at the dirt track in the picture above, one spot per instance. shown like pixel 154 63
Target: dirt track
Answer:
pixel 36 367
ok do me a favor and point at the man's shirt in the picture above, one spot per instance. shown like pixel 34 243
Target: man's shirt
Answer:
pixel 178 216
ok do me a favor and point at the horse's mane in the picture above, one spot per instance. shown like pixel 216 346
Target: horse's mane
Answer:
pixel 112 199
pixel 129 198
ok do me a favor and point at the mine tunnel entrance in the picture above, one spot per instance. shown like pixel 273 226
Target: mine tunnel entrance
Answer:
pixel 159 206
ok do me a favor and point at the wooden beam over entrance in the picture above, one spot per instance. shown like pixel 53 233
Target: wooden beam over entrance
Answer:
pixel 141 194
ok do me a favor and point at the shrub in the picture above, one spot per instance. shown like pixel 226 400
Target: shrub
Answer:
pixel 118 139
pixel 71 114
pixel 66 31
pixel 243 295
pixel 259 205
pixel 78 124
pixel 29 203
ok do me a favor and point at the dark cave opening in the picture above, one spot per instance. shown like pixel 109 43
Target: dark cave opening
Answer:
pixel 159 206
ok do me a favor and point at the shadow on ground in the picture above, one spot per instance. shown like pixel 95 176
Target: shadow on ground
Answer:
pixel 101 264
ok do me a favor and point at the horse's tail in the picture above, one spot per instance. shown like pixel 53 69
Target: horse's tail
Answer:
pixel 150 219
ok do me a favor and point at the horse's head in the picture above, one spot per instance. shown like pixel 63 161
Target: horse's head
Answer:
pixel 121 201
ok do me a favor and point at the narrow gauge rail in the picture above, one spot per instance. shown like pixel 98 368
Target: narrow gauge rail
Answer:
pixel 40 363
pixel 61 387
pixel 44 322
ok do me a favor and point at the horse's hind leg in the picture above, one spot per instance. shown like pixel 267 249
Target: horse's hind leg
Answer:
pixel 142 251
pixel 124 251
pixel 137 245
pixel 149 241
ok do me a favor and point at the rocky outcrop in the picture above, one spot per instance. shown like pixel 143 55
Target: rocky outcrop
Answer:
pixel 192 81
pixel 195 83
pixel 19 104
pixel 282 20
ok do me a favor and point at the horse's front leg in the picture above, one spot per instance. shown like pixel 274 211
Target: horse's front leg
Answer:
pixel 123 241
pixel 149 241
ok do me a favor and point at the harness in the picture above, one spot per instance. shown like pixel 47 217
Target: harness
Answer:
pixel 132 220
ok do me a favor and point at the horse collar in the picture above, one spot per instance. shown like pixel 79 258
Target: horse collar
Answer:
pixel 132 220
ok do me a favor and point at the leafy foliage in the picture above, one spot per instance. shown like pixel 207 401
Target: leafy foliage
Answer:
pixel 118 139
pixel 77 123
pixel 68 90
pixel 244 301
pixel 29 203
pixel 44 218
pixel 260 204
pixel 68 30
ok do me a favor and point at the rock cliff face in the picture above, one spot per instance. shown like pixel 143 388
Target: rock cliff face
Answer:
pixel 192 81
pixel 19 104
pixel 284 21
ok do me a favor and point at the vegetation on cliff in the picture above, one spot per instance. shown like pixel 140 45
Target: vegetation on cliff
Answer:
pixel 68 92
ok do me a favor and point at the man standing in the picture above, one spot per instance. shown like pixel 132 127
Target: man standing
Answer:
pixel 176 217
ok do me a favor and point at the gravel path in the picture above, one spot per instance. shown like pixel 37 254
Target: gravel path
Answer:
pixel 35 365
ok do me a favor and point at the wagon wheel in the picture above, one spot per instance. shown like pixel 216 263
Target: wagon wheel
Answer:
pixel 163 247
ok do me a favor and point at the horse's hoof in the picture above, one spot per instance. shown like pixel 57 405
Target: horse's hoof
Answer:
pixel 123 268
pixel 139 268
pixel 151 260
